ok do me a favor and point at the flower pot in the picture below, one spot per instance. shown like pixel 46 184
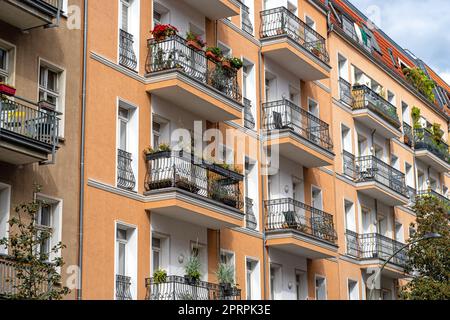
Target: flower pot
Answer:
pixel 211 56
pixel 316 52
pixel 226 64
pixel 7 90
pixel 226 289
pixel 162 184
pixel 194 45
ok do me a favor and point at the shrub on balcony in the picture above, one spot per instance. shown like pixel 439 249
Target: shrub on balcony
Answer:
pixel 415 115
pixel 214 54
pixel 236 63
pixel 195 41
pixel 160 276
pixel 225 277
pixel 163 147
pixel 192 270
pixel 417 78
pixel 163 31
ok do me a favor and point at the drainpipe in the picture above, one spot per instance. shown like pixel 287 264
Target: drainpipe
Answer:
pixel 82 151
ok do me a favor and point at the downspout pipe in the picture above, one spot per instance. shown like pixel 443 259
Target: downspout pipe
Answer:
pixel 82 151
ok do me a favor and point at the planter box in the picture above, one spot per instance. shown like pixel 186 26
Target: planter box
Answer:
pixel 316 52
pixel 194 45
pixel 187 185
pixel 162 184
pixel 158 155
pixel 191 280
pixel 7 90
pixel 226 64
pixel 211 56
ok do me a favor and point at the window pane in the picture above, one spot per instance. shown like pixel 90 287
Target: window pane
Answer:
pixel 156 243
pixel 52 81
pixel 156 265
pixel 123 135
pixel 3 57
pixel 121 234
pixel 121 265
pixel 42 74
pixel 45 216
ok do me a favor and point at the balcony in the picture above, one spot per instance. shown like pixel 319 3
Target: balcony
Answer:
pixel 28 14
pixel 249 119
pixel 431 193
pixel 179 288
pixel 408 137
pixel 300 136
pixel 215 9
pixel 125 175
pixel 28 133
pixel 300 229
pixel 374 249
pixel 188 188
pixel 375 112
pixel 376 179
pixel 185 77
pixel 432 152
pixel 292 44
pixel 127 57
pixel 123 288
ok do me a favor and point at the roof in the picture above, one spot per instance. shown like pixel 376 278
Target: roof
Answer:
pixel 390 53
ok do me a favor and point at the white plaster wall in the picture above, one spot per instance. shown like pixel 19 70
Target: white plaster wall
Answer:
pixel 284 79
pixel 284 177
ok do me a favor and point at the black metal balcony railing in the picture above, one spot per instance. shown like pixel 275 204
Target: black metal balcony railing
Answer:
pixel 123 288
pixel 249 119
pixel 29 120
pixel 180 169
pixel 375 246
pixel 281 22
pixel 173 53
pixel 178 288
pixel 366 98
pixel 407 134
pixel 423 140
pixel 283 114
pixel 370 168
pixel 285 214
pixel 345 91
pixel 127 57
pixel 9 282
pixel 247 25
pixel 445 201
pixel 250 219
pixel 125 175
pixel 53 3
pixel 412 193
pixel 349 164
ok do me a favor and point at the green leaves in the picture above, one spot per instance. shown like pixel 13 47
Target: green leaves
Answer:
pixel 421 82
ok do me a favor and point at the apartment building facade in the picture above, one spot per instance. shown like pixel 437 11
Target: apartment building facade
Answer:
pixel 323 158
pixel 40 123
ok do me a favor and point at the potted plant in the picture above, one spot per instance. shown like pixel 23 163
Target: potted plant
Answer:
pixel 163 149
pixel 195 41
pixel 192 270
pixel 317 49
pixel 225 277
pixel 236 63
pixel 214 54
pixel 160 276
pixel 226 63
pixel 185 184
pixel 7 89
pixel 163 31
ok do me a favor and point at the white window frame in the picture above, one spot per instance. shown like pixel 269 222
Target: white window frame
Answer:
pixel 9 72
pixel 357 289
pixel 5 208
pixel 317 276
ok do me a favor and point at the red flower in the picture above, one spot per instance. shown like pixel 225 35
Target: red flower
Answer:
pixel 162 31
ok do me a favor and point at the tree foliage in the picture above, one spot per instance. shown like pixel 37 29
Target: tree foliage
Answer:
pixel 36 271
pixel 429 260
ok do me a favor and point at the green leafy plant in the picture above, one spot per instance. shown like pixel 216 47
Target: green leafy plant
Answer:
pixel 225 273
pixel 215 50
pixel 236 63
pixel 190 36
pixel 417 78
pixel 192 268
pixel 37 275
pixel 415 115
pixel 160 276
pixel 161 148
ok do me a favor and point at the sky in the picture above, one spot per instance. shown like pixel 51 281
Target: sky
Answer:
pixel 422 26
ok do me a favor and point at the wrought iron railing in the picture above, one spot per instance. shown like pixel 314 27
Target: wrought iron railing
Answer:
pixel 125 175
pixel 247 25
pixel 173 53
pixel 249 119
pixel 412 193
pixel 370 168
pixel 250 218
pixel 345 91
pixel 127 57
pixel 375 246
pixel 408 134
pixel 281 22
pixel 123 288
pixel 9 282
pixel 53 3
pixel 180 288
pixel 349 164
pixel 29 120
pixel 366 98
pixel 445 201
pixel 290 214
pixel 182 170
pixel 424 140
pixel 283 114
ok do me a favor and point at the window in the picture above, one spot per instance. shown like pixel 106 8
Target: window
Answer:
pixel 391 97
pixel 346 139
pixel 309 35
pixel 4 73
pixel 5 195
pixel 399 235
pixel 125 13
pixel 316 198
pixel 350 219
pixel 123 118
pixel 160 14
pixel 343 67
pixel 156 134
pixel 252 278
pixel 227 257
pixel 49 86
pixel 125 262
pixel 275 277
pixel 321 290
pixel 301 285
pixel 405 113
pixel 122 241
pixel 353 290
pixel 394 162
pixel 47 220
pixel 156 254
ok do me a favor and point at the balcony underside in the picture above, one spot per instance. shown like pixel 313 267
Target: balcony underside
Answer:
pixel 432 160
pixel 373 121
pixel 200 99
pixel 382 193
pixel 27 14
pixel 391 270
pixel 291 56
pixel 300 244
pixel 215 9
pixel 20 150
pixel 185 206
pixel 300 150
